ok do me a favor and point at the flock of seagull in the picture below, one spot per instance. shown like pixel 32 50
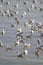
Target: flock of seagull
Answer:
pixel 27 25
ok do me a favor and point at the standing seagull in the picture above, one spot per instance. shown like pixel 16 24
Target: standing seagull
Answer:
pixel 0 44
pixel 39 40
pixel 3 32
pixel 8 48
pixel 37 52
pixel 27 45
pixel 17 43
pixel 21 55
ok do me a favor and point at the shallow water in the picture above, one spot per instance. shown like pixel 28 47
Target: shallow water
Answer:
pixel 10 58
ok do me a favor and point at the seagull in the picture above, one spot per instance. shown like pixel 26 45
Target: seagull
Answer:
pixel 17 43
pixel 0 44
pixel 37 52
pixel 39 40
pixel 3 32
pixel 25 52
pixel 19 30
pixel 21 55
pixel 16 6
pixel 27 45
pixel 8 48
pixel 40 47
pixel 27 25
pixel 7 3
pixel 31 21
